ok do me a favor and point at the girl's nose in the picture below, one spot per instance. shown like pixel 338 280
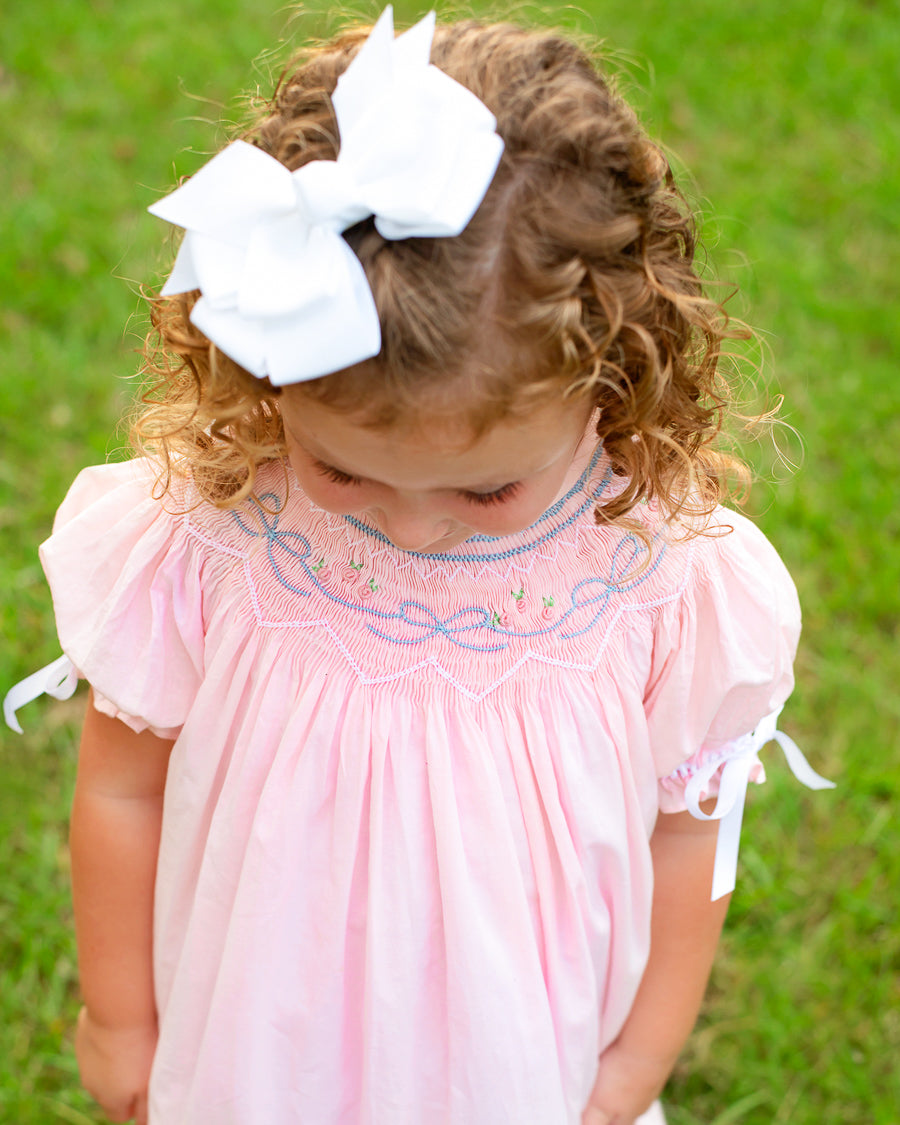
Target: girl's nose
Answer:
pixel 412 524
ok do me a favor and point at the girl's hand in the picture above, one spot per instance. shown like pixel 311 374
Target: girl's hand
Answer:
pixel 115 1066
pixel 626 1086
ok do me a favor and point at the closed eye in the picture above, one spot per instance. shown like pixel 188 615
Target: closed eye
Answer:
pixel 333 474
pixel 498 496
pixel 484 499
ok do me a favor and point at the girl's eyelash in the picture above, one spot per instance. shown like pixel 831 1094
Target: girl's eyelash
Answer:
pixel 497 497
pixel 334 474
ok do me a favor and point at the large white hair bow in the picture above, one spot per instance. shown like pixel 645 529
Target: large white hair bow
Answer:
pixel 282 292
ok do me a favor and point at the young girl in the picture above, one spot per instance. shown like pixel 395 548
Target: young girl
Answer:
pixel 420 641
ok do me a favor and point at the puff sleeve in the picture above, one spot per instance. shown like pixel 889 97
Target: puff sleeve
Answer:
pixel 125 579
pixel 723 652
pixel 721 670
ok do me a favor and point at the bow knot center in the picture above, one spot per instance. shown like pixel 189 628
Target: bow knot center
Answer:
pixel 327 195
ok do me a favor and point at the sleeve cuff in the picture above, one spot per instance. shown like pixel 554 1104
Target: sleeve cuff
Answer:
pixel 737 763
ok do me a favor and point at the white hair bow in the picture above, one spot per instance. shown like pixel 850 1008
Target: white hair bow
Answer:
pixel 282 292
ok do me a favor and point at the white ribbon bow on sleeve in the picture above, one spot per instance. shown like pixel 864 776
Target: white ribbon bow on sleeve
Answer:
pixel 282 293
pixel 729 809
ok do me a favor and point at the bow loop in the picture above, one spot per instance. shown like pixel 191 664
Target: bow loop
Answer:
pixel 229 195
pixel 282 292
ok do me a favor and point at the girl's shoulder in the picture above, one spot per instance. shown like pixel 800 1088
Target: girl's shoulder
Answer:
pixel 112 509
pixel 716 590
pixel 121 503
pixel 726 549
pixel 649 563
pixel 125 581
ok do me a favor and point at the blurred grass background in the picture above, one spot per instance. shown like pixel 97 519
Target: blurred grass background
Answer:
pixel 786 115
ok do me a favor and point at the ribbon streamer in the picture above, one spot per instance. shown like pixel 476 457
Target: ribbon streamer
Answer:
pixel 729 810
pixel 58 679
pixel 282 292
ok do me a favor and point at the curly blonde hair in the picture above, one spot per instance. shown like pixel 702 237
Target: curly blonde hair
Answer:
pixel 576 277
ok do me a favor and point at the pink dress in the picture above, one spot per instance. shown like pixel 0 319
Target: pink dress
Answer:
pixel 405 873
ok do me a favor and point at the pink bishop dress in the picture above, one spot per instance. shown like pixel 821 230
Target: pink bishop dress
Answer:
pixel 405 876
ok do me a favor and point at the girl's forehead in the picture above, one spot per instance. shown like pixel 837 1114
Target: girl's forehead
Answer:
pixel 437 451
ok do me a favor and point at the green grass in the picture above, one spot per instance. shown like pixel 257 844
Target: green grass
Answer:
pixel 785 115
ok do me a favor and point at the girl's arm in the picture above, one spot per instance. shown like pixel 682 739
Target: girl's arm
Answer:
pixel 114 841
pixel 684 936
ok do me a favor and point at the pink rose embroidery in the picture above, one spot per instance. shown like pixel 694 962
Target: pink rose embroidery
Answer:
pixel 366 589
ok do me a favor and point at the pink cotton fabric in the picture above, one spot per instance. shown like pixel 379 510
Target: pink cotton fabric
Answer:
pixel 405 873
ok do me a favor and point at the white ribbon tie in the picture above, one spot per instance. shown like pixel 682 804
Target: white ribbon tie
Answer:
pixel 729 810
pixel 58 679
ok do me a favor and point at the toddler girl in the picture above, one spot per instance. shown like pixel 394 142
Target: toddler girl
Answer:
pixel 419 642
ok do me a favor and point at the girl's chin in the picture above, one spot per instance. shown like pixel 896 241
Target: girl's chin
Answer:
pixel 438 546
pixel 447 543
